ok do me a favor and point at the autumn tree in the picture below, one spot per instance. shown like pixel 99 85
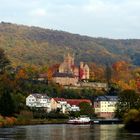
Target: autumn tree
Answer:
pixel 21 74
pixel 97 72
pixel 51 70
pixel 136 79
pixel 132 120
pixel 31 71
pixel 122 75
pixel 120 71
pixel 127 99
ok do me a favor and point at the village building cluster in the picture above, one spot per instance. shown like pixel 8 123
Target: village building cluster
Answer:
pixel 50 104
pixel 69 76
pixel 104 106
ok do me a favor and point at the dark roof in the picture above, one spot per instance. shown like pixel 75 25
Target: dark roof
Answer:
pixel 37 95
pixel 106 98
pixel 70 75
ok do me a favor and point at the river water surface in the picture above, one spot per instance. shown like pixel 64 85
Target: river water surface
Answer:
pixel 67 132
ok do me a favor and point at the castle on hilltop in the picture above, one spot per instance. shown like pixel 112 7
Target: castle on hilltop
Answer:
pixel 69 74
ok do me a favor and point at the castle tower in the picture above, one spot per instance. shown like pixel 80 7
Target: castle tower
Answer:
pixel 66 66
pixel 69 59
pixel 84 71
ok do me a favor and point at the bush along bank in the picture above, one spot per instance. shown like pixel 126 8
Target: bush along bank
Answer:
pixel 132 120
pixel 7 121
pixel 28 118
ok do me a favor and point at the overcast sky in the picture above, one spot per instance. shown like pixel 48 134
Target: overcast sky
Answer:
pixel 97 18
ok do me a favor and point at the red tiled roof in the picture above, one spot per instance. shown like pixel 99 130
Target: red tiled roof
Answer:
pixel 59 99
pixel 77 101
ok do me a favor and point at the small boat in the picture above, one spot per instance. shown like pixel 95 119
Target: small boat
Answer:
pixel 80 120
pixel 106 121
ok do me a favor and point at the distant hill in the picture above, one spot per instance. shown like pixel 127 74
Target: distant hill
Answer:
pixel 34 45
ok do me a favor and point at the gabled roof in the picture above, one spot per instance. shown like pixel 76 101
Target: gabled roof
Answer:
pixel 40 96
pixel 106 98
pixel 86 66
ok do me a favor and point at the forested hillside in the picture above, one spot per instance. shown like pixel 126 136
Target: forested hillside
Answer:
pixel 34 45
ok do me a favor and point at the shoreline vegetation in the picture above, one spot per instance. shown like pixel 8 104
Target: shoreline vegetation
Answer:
pixel 132 120
pixel 130 123
pixel 12 121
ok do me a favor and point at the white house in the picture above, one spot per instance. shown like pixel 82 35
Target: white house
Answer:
pixel 64 105
pixel 105 106
pixel 60 103
pixel 38 101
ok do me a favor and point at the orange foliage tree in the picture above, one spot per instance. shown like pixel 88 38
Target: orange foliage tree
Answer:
pixel 97 72
pixel 21 74
pixel 122 75
pixel 52 70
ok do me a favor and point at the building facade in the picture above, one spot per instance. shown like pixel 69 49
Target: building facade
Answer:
pixel 105 106
pixel 68 73
pixel 65 79
pixel 39 101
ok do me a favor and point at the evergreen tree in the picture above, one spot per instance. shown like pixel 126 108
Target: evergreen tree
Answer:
pixel 7 106
pixel 108 74
pixel 86 109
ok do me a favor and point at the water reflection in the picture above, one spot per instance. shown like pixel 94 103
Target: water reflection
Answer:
pixel 67 132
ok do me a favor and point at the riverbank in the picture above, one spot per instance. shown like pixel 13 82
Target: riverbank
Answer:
pixel 7 121
pixel 132 120
pixel 41 121
pixel 11 121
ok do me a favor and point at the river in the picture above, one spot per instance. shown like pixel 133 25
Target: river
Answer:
pixel 67 132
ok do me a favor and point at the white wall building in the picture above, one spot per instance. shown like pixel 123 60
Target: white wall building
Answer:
pixel 38 101
pixel 105 106
pixel 63 105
